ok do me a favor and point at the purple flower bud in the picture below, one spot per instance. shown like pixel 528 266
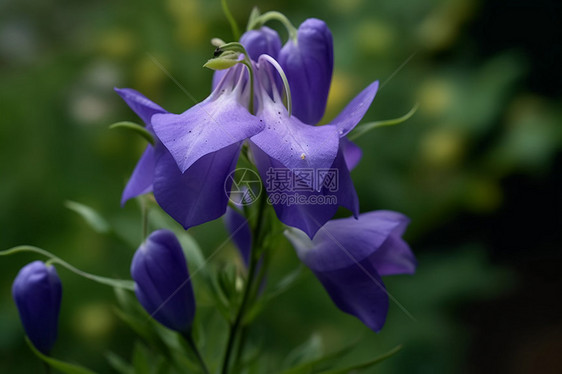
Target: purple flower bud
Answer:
pixel 37 292
pixel 308 64
pixel 162 282
pixel 262 41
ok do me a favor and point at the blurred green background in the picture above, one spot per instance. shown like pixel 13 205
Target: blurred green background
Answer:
pixel 477 169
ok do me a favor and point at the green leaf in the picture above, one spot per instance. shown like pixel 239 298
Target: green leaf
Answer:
pixel 61 366
pixel 319 363
pixel 118 363
pixel 140 359
pixel 366 127
pixel 93 218
pixel 284 285
pixel 310 350
pixel 365 365
pixel 136 128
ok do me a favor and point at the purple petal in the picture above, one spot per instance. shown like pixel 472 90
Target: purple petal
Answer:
pixel 364 236
pixel 198 195
pixel 358 290
pixel 294 144
pixel 142 106
pixel 240 233
pixel 348 256
pixel 346 194
pixel 218 75
pixel 350 116
pixel 141 179
pixel 308 217
pixel 308 64
pixel 354 285
pixel 263 41
pixel 351 152
pixel 218 122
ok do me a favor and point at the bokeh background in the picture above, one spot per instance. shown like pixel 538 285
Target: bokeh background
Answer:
pixel 478 169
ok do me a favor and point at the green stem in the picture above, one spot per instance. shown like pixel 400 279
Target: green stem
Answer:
pixel 129 285
pixel 236 326
pixel 231 20
pixel 189 339
pixel 273 15
pixel 144 212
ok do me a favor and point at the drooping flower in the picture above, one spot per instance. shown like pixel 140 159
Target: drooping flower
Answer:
pixel 190 186
pixel 162 282
pixel 286 143
pixel 308 63
pixel 349 256
pixel 37 291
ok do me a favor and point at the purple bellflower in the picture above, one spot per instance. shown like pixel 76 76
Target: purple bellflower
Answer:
pixel 288 144
pixel 37 291
pixel 190 186
pixel 162 282
pixel 349 256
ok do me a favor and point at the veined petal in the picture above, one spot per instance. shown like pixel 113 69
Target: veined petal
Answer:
pixel 197 195
pixel 350 116
pixel 141 179
pixel 239 229
pixel 351 153
pixel 363 236
pixel 308 64
pixel 142 106
pixel 358 290
pixel 294 144
pixel 218 122
pixel 306 208
pixel 348 256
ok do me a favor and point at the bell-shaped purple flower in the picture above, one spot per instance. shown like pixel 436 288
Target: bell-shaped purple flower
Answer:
pixel 308 63
pixel 37 291
pixel 304 156
pixel 349 256
pixel 162 282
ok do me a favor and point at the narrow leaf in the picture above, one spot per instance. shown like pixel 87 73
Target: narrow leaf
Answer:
pixel 61 366
pixel 366 127
pixel 136 128
pixel 118 363
pixel 92 218
pixel 367 364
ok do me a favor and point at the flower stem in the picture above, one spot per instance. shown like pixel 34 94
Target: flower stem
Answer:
pixel 237 325
pixel 189 339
